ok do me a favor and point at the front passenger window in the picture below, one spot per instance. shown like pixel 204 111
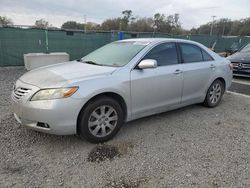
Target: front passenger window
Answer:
pixel 164 54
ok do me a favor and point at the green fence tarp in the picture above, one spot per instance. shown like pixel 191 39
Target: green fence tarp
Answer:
pixel 14 42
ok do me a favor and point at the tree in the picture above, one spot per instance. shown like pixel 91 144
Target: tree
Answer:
pixel 205 29
pixel 168 24
pixel 41 24
pixel 142 25
pixel 92 26
pixel 127 17
pixel 159 21
pixel 81 26
pixel 176 20
pixel 244 30
pixel 72 25
pixel 4 21
pixel 112 24
pixel 194 31
pixel 225 26
pixel 127 14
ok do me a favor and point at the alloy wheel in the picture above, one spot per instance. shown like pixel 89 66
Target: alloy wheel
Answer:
pixel 215 93
pixel 102 121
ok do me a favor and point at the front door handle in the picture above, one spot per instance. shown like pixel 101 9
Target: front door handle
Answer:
pixel 177 71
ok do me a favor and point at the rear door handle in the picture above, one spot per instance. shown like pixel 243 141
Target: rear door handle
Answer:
pixel 212 66
pixel 178 71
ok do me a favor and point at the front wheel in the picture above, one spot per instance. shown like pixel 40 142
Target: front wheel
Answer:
pixel 100 120
pixel 214 94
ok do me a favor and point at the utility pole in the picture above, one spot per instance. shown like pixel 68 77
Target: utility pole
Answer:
pixel 212 25
pixel 120 25
pixel 85 24
pixel 223 31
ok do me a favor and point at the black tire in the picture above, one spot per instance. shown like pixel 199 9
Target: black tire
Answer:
pixel 84 117
pixel 208 100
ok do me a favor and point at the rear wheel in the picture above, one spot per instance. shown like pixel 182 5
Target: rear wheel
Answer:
pixel 214 94
pixel 100 120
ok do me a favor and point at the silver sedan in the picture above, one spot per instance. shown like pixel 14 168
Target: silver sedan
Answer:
pixel 117 83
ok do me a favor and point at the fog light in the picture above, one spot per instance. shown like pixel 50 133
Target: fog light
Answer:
pixel 44 125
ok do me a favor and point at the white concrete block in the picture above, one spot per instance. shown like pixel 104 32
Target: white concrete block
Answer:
pixel 35 60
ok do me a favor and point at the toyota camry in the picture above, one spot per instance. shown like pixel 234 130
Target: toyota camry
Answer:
pixel 119 82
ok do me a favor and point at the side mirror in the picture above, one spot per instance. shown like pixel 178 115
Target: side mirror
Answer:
pixel 147 64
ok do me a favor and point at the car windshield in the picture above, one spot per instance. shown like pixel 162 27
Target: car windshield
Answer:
pixel 114 54
pixel 246 48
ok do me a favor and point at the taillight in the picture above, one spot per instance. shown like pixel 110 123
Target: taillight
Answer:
pixel 231 66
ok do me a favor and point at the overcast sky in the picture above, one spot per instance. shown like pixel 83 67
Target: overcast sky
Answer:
pixel 192 12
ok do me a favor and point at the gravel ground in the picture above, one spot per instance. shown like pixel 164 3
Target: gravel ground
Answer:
pixel 240 88
pixel 241 85
pixel 190 147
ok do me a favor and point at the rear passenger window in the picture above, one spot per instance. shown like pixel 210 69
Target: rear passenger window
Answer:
pixel 190 53
pixel 164 54
pixel 206 56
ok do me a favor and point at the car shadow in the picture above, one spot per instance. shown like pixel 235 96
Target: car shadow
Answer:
pixel 164 115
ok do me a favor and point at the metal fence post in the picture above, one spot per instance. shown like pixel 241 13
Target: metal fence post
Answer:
pixel 46 41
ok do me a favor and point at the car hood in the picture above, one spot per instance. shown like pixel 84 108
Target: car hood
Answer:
pixel 240 57
pixel 64 74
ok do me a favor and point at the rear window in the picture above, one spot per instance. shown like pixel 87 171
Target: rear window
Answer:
pixel 206 56
pixel 190 53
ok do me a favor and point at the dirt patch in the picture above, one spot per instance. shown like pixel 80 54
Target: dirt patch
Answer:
pixel 103 152
pixel 13 170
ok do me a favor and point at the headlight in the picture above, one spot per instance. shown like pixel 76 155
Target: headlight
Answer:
pixel 58 93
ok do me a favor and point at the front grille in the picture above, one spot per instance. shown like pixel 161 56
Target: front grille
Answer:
pixel 246 65
pixel 19 93
pixel 241 65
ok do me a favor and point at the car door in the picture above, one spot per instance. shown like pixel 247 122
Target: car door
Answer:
pixel 198 67
pixel 154 89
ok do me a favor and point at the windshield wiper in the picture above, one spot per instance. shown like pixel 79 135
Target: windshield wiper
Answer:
pixel 90 62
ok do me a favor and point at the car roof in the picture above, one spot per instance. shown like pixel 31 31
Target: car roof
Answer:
pixel 156 40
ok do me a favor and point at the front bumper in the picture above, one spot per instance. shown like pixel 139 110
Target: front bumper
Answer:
pixel 59 114
pixel 242 73
pixel 241 69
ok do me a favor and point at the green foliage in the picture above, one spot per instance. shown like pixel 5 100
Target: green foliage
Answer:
pixel 225 26
pixel 72 25
pixel 159 23
pixel 92 26
pixel 4 21
pixel 142 25
pixel 127 17
pixel 41 24
pixel 80 26
pixel 112 24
